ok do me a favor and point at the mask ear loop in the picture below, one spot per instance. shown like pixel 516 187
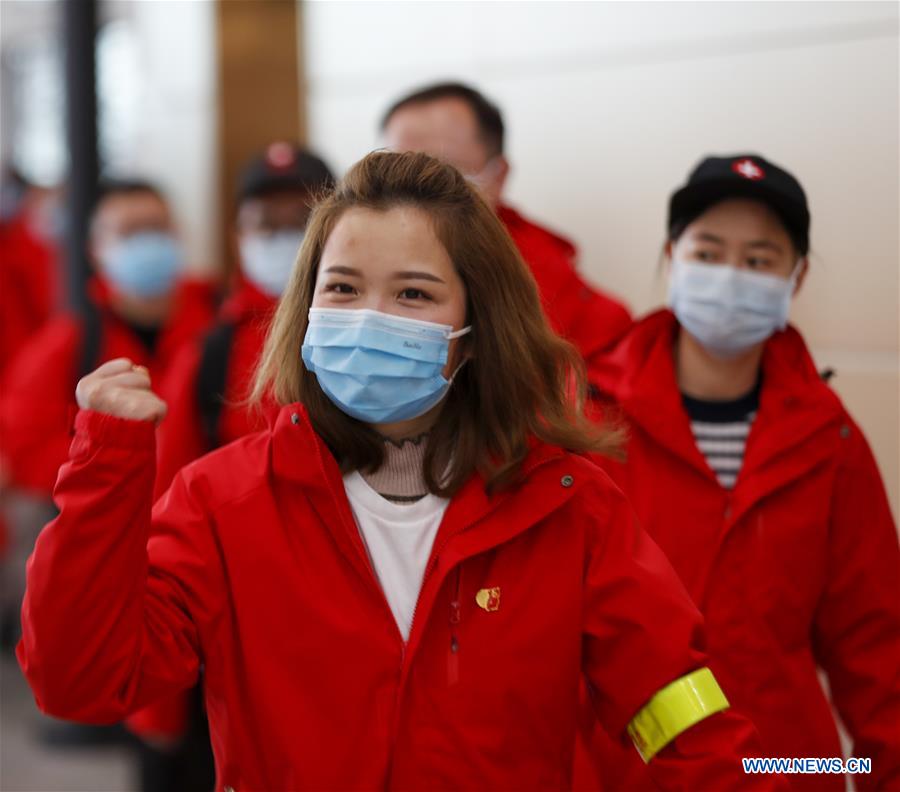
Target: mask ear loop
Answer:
pixel 457 334
pixel 456 371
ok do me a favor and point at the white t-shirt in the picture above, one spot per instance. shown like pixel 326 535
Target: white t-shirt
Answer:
pixel 399 539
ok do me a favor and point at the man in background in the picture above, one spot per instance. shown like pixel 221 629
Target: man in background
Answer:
pixel 456 123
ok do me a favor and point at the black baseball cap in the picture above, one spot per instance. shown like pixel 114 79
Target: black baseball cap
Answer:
pixel 284 166
pixel 743 176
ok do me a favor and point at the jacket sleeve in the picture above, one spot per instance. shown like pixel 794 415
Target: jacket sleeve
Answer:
pixel 179 442
pixel 114 609
pixel 642 632
pixel 857 626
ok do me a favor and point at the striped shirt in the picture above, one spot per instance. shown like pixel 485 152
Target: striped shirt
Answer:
pixel 720 430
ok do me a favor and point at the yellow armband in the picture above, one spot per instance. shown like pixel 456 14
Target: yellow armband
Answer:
pixel 675 709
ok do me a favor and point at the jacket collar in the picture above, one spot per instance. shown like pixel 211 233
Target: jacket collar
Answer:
pixel 301 456
pixel 191 311
pixel 795 405
pixel 473 523
pixel 639 374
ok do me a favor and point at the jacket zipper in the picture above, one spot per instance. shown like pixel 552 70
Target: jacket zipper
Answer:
pixel 455 605
pixel 455 608
pixel 432 562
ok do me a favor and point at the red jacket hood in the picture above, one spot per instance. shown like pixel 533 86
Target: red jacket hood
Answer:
pixel 641 368
pixel 300 456
pixel 321 468
pixel 638 375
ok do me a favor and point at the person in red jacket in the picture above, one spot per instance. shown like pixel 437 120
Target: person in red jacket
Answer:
pixel 401 583
pixel 755 481
pixel 28 297
pixel 141 307
pixel 207 385
pixel 458 124
pixel 206 388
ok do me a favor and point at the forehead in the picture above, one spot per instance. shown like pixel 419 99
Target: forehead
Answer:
pixel 132 208
pixel 369 239
pixel 285 202
pixel 741 220
pixel 445 128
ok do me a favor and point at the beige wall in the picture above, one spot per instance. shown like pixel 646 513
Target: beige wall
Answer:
pixel 608 106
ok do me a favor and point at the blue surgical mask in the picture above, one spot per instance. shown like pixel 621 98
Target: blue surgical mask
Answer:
pixel 728 309
pixel 145 264
pixel 267 260
pixel 376 367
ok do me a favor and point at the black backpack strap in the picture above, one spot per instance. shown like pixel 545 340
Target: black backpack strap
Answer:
pixel 91 340
pixel 211 378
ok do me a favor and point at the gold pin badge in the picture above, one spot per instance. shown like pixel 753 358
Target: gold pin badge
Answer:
pixel 488 599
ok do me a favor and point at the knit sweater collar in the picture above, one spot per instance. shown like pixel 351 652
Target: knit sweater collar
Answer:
pixel 401 476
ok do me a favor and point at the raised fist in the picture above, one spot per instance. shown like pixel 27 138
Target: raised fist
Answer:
pixel 120 388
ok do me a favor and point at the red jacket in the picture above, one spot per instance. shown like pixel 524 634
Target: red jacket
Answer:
pixel 180 436
pixel 37 394
pixel 252 567
pixel 181 439
pixel 29 284
pixel 589 318
pixel 797 567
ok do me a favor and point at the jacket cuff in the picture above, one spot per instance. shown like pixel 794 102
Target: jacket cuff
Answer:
pixel 94 428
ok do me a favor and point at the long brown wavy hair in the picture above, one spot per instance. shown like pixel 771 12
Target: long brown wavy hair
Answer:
pixel 521 383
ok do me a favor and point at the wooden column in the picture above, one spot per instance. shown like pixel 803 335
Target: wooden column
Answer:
pixel 258 43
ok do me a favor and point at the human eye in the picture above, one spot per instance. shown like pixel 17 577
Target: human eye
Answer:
pixel 705 255
pixel 414 294
pixel 340 288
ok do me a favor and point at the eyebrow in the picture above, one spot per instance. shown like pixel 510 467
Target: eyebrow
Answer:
pixel 765 243
pixel 404 275
pixel 339 270
pixel 412 275
pixel 705 236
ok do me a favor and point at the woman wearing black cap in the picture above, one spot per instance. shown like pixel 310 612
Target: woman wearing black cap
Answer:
pixel 748 471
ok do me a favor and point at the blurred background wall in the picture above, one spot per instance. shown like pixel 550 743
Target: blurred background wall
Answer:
pixel 609 105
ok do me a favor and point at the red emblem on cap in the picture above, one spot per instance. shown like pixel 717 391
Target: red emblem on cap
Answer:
pixel 280 155
pixel 748 169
